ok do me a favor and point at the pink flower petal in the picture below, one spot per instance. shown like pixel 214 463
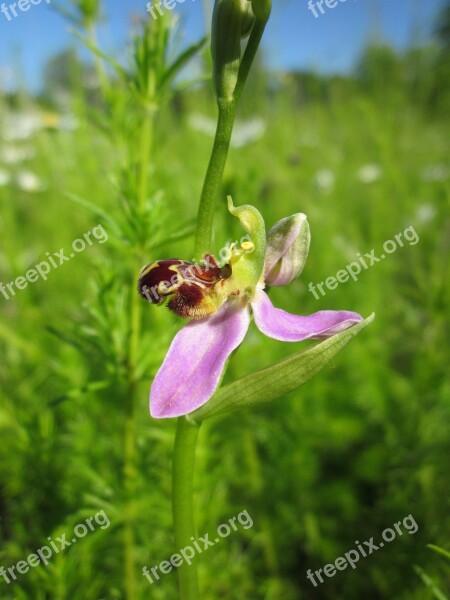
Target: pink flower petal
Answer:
pixel 193 366
pixel 284 326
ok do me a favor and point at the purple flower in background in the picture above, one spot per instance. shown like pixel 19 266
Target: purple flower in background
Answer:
pixel 194 364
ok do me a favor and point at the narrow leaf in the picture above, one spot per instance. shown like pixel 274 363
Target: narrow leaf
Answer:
pixel 96 210
pixel 181 61
pixel 277 380
pixel 437 593
pixel 439 550
pixel 95 50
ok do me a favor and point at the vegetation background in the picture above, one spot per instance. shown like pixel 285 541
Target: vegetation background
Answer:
pixel 125 144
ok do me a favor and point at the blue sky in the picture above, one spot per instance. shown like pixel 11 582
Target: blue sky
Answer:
pixel 294 38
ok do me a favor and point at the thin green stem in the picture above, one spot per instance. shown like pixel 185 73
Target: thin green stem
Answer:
pixel 187 433
pixel 129 485
pixel 101 73
pixel 145 151
pixel 213 179
pixel 132 390
pixel 183 503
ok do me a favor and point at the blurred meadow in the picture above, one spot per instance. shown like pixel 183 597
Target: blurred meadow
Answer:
pixel 122 142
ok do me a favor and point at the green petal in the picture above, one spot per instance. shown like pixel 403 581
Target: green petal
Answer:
pixel 278 379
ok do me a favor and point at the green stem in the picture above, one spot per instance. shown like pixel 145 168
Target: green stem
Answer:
pixel 213 178
pixel 183 503
pixel 187 433
pixel 129 486
pixel 132 390
pixel 145 152
pixel 101 74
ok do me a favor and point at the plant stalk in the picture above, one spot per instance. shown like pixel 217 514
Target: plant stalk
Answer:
pixel 227 113
pixel 132 391
pixel 213 178
pixel 183 503
pixel 101 73
pixel 187 433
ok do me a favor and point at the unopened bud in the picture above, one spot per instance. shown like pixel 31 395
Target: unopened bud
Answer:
pixel 287 250
pixel 232 20
pixel 261 9
pixel 247 18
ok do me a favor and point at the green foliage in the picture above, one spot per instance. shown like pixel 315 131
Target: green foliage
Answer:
pixel 82 13
pixel 443 27
pixel 277 380
pixel 361 446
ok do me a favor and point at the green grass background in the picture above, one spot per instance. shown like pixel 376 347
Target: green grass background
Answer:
pixel 358 448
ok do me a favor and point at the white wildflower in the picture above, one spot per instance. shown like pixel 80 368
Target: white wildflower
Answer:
pixel 324 180
pixel 370 173
pixel 29 182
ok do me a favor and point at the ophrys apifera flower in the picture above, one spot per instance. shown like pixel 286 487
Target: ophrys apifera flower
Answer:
pixel 220 300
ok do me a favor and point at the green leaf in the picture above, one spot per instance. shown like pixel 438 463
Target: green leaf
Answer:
pixel 277 380
pixel 23 344
pixel 437 593
pixel 181 61
pixel 186 230
pixel 439 550
pixel 96 210
pixel 95 50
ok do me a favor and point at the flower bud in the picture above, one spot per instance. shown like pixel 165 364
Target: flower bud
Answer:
pixel 247 19
pixel 287 250
pixel 232 20
pixel 261 9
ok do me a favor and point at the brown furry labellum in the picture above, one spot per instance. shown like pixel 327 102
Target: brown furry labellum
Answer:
pixel 192 287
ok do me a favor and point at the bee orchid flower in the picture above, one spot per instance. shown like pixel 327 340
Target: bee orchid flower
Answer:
pixel 220 300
